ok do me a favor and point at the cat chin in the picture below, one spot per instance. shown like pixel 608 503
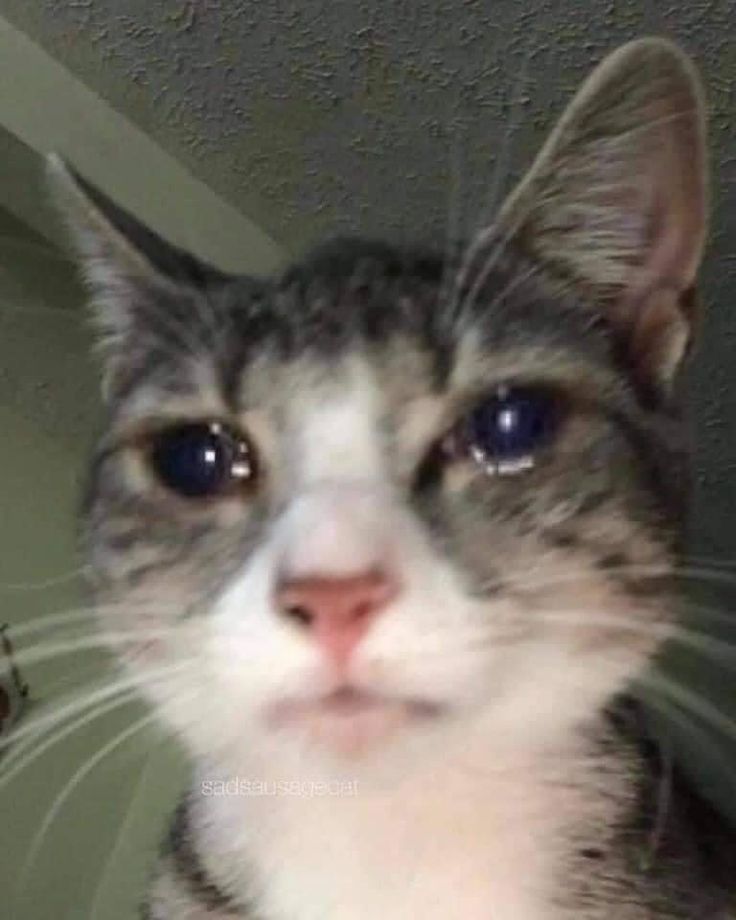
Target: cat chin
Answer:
pixel 358 737
pixel 350 723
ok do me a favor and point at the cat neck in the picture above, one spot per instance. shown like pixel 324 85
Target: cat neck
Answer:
pixel 482 821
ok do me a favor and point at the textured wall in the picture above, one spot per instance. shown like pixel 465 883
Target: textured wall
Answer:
pixel 313 114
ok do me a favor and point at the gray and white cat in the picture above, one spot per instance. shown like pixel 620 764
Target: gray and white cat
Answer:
pixel 391 534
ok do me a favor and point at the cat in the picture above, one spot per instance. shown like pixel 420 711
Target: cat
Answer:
pixel 391 534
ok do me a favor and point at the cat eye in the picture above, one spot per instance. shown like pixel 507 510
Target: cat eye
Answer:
pixel 504 433
pixel 201 460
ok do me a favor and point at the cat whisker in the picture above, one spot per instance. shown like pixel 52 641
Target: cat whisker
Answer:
pixel 664 571
pixel 691 701
pixel 103 640
pixel 52 622
pixel 491 262
pixel 686 569
pixel 499 296
pixel 92 613
pixel 717 648
pixel 52 582
pixel 689 610
pixel 652 698
pixel 717 562
pixel 428 646
pixel 19 764
pixel 71 704
pixel 78 777
pixel 98 640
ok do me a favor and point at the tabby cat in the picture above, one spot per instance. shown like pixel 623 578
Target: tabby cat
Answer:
pixel 391 534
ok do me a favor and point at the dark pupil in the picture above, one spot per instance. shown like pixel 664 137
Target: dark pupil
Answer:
pixel 194 460
pixel 512 425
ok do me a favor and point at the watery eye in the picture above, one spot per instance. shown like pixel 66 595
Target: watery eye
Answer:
pixel 505 432
pixel 201 460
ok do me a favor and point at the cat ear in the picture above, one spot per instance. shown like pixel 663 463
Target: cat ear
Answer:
pixel 134 276
pixel 615 203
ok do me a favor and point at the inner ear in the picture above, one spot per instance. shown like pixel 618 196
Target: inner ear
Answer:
pixel 615 204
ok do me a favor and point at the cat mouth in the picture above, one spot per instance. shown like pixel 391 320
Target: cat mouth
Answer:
pixel 350 720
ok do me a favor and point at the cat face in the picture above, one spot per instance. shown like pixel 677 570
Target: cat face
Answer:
pixel 357 508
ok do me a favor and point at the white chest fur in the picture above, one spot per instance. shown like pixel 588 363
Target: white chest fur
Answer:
pixel 460 842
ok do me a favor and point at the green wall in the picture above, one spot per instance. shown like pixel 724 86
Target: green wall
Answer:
pixel 94 857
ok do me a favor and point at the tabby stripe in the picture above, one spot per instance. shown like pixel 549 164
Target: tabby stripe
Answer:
pixel 189 869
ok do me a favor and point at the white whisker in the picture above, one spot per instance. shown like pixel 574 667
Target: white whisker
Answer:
pixel 84 770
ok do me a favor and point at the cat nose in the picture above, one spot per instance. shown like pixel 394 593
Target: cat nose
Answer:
pixel 337 611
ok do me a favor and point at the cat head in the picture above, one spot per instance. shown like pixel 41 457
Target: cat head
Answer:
pixel 390 496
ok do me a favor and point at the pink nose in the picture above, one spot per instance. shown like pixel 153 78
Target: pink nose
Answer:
pixel 337 611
